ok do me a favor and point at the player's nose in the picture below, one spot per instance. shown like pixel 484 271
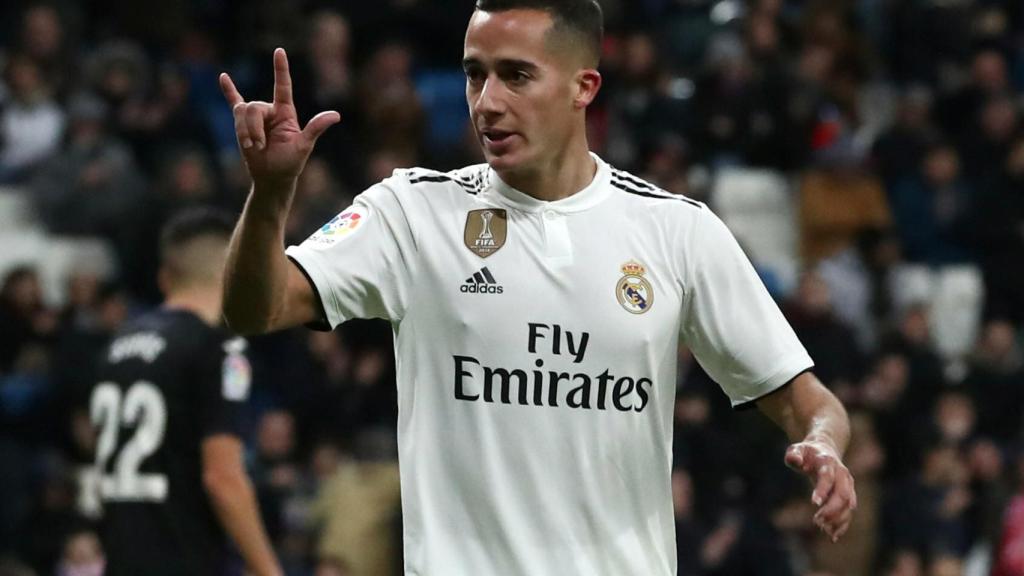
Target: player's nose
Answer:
pixel 490 101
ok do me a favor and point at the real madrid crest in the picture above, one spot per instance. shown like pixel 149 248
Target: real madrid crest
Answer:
pixel 633 291
pixel 486 231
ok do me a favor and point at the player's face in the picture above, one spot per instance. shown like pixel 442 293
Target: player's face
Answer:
pixel 523 98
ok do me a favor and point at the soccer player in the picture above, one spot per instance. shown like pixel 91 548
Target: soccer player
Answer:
pixel 537 302
pixel 166 408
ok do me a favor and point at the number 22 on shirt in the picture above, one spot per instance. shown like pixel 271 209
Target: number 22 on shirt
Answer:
pixel 142 407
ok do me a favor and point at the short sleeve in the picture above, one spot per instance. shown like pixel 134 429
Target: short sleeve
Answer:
pixel 225 379
pixel 730 322
pixel 359 262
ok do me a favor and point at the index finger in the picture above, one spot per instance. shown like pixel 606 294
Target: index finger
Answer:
pixel 282 78
pixel 823 486
pixel 230 92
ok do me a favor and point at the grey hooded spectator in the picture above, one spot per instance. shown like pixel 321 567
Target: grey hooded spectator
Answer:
pixel 92 187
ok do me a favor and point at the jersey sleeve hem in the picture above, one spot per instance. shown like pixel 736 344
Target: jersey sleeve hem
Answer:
pixel 788 371
pixel 314 274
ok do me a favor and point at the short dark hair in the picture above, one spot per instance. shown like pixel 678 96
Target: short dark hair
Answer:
pixel 582 18
pixel 193 245
pixel 191 223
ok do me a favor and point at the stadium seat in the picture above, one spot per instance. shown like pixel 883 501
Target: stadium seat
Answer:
pixel 954 296
pixel 443 95
pixel 26 241
pixel 15 209
pixel 757 205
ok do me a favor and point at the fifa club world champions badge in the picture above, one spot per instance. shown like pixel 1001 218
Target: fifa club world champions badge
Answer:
pixel 486 231
pixel 633 291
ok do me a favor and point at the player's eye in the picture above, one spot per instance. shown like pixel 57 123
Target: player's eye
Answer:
pixel 518 77
pixel 474 75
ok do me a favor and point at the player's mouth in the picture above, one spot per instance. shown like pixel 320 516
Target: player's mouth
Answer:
pixel 497 141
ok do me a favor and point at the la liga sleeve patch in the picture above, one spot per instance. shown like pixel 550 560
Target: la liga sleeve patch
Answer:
pixel 339 228
pixel 236 378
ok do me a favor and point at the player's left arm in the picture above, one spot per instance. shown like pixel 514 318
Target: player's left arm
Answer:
pixel 819 428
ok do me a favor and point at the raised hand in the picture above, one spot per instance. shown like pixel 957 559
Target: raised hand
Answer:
pixel 274 146
pixel 834 493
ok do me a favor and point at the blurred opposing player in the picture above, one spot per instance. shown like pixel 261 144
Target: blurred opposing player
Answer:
pixel 537 301
pixel 166 409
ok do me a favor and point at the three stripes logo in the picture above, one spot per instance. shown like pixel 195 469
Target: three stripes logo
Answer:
pixel 482 282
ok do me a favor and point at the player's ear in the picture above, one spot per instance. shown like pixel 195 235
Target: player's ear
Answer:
pixel 588 82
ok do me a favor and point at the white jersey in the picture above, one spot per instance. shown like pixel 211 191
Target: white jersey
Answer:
pixel 536 349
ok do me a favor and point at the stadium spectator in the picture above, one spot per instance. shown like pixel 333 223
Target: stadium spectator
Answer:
pixel 991 489
pixel 358 509
pixel 640 110
pixel 959 112
pixel 275 470
pixel 927 512
pixel 159 121
pixel 318 197
pixel 838 200
pixel 946 565
pixel 82 555
pixel 53 517
pixel 934 210
pixel 31 122
pixel 326 78
pixel 92 186
pixel 1001 236
pixel 388 104
pixel 994 380
pixel 911 338
pixel 831 342
pixel 861 279
pixel 898 151
pixel 44 37
pixel 689 530
pixel 1009 553
pixel 94 313
pixel 903 562
pixel 24 315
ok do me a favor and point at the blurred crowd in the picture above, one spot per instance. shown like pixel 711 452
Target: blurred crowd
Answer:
pixel 878 145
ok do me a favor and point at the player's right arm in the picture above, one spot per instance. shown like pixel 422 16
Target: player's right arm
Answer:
pixel 234 501
pixel 263 290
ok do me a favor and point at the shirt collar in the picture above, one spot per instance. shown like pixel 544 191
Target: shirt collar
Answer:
pixel 588 197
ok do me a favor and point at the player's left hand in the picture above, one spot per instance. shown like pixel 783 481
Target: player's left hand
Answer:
pixel 834 492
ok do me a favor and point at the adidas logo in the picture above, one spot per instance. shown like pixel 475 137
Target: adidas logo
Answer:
pixel 482 283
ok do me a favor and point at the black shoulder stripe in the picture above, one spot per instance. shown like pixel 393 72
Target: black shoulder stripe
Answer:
pixel 468 187
pixel 668 196
pixel 438 178
pixel 626 176
pixel 644 186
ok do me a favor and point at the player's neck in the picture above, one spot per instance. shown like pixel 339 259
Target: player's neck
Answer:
pixel 202 302
pixel 558 177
